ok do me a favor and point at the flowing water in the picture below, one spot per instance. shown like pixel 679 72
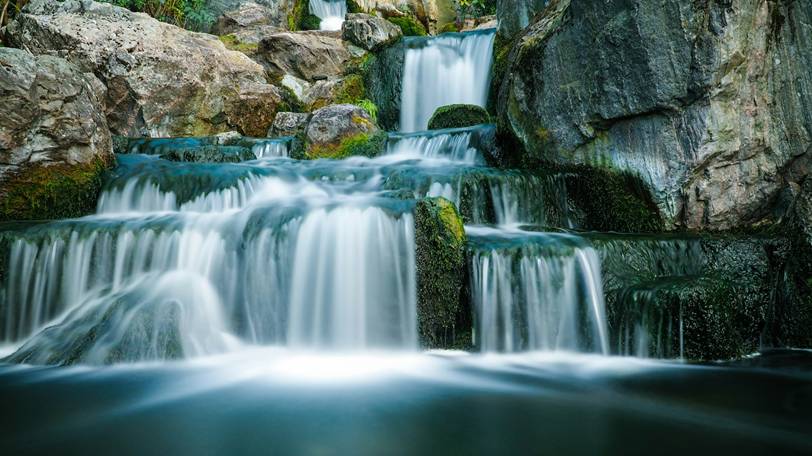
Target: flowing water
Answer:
pixel 442 71
pixel 331 13
pixel 225 298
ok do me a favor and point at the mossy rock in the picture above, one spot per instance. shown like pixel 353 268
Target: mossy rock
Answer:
pixel 409 26
pixel 300 18
pixel 233 43
pixel 360 145
pixel 609 200
pixel 443 313
pixel 53 192
pixel 458 116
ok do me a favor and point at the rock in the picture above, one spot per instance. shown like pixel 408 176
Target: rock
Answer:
pixel 161 80
pixel 347 90
pixel 247 15
pixel 340 131
pixel 298 86
pixel 310 56
pixel 383 80
pixel 54 140
pixel 516 15
pixel 704 101
pixel 433 14
pixel 443 315
pixel 370 32
pixel 458 116
pixel 289 124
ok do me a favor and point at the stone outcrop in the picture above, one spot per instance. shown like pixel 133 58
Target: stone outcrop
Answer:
pixel 54 140
pixel 161 80
pixel 707 102
pixel 433 14
pixel 370 32
pixel 340 131
pixel 309 56
pixel 248 15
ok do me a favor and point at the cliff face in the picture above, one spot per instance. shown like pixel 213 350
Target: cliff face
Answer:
pixel 708 102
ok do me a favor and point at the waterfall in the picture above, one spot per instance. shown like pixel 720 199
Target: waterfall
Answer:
pixel 331 13
pixel 449 69
pixel 536 292
pixel 457 145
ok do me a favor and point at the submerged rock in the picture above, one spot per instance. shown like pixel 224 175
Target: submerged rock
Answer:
pixel 340 131
pixel 161 80
pixel 704 101
pixel 370 32
pixel 310 56
pixel 443 313
pixel 54 140
pixel 458 116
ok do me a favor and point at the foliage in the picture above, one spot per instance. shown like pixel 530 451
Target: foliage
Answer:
pixel 370 107
pixel 409 26
pixel 478 8
pixel 10 9
pixel 189 14
pixel 300 17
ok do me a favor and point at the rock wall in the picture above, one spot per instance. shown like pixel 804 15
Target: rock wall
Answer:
pixel 708 102
pixel 54 140
pixel 161 80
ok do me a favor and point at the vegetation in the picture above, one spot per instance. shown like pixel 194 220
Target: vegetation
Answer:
pixel 409 26
pixel 189 14
pixel 458 116
pixel 300 17
pixel 478 8
pixel 10 9
pixel 233 43
pixel 361 145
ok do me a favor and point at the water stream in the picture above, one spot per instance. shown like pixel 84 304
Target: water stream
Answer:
pixel 331 13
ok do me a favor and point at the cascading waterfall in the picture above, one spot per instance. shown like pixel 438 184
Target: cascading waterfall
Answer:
pixel 449 69
pixel 536 292
pixel 456 145
pixel 331 13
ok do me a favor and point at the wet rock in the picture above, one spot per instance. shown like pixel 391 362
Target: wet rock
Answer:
pixel 161 80
pixel 54 140
pixel 383 80
pixel 516 15
pixel 369 32
pixel 289 124
pixel 310 56
pixel 706 102
pixel 340 131
pixel 458 116
pixel 443 315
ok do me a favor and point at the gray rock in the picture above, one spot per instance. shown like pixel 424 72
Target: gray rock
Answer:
pixel 340 131
pixel 276 11
pixel 434 14
pixel 306 55
pixel 289 124
pixel 708 103
pixel 246 16
pixel 370 32
pixel 516 15
pixel 51 119
pixel 161 80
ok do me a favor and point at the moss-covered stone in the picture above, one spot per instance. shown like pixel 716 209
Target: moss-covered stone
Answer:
pixel 360 145
pixel 444 317
pixel 233 43
pixel 458 116
pixel 300 18
pixel 409 26
pixel 53 192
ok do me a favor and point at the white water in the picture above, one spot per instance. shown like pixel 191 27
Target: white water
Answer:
pixel 454 145
pixel 331 13
pixel 448 69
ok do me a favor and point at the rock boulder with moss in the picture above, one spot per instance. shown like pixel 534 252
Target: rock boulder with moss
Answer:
pixel 370 32
pixel 161 80
pixel 458 116
pixel 340 131
pixel 443 314
pixel 309 56
pixel 54 139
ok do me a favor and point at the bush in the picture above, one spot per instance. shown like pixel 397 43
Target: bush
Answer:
pixel 409 26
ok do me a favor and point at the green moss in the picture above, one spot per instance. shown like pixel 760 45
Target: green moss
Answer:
pixel 360 145
pixel 300 18
pixel 444 317
pixel 354 7
pixel 458 116
pixel 449 28
pixel 370 107
pixel 409 26
pixel 609 200
pixel 53 192
pixel 233 43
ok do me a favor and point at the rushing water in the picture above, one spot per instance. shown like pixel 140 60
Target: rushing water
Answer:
pixel 444 70
pixel 331 13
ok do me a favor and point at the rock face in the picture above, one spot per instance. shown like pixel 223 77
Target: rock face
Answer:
pixel 306 55
pixel 707 102
pixel 288 124
pixel 433 14
pixel 443 320
pixel 54 140
pixel 246 16
pixel 370 32
pixel 515 15
pixel 274 12
pixel 339 131
pixel 161 80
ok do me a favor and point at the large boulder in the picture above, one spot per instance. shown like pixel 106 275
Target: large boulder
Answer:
pixel 161 80
pixel 54 140
pixel 370 32
pixel 708 102
pixel 289 124
pixel 433 14
pixel 245 16
pixel 340 131
pixel 309 56
pixel 458 116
